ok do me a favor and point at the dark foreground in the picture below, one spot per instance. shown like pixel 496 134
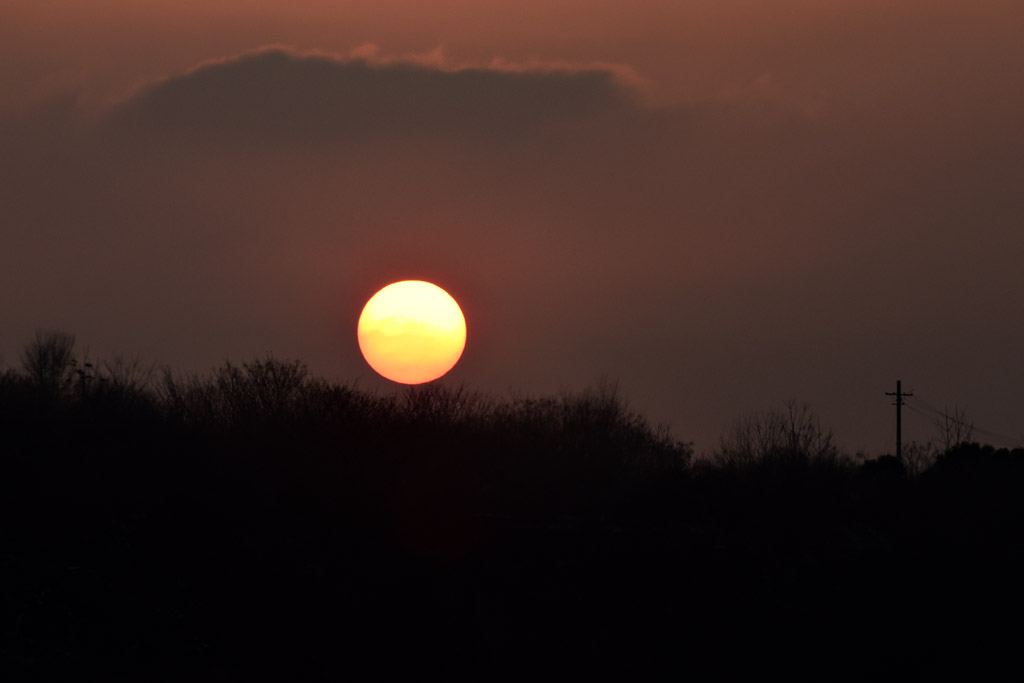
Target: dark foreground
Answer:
pixel 143 544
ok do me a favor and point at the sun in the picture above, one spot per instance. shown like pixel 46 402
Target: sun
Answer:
pixel 412 332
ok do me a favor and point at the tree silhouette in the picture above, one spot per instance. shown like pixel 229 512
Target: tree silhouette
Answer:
pixel 954 427
pixel 48 360
pixel 793 434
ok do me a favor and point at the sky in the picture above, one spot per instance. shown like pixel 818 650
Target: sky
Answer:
pixel 720 205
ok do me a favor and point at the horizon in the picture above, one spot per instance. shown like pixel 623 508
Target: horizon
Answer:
pixel 948 424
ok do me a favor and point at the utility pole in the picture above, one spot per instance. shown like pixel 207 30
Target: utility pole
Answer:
pixel 899 419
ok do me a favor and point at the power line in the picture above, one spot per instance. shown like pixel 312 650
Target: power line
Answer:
pixel 927 406
pixel 921 412
pixel 1015 440
pixel 930 407
pixel 942 420
pixel 946 416
pixel 1008 440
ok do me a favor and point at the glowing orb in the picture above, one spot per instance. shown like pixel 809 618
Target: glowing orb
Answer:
pixel 412 332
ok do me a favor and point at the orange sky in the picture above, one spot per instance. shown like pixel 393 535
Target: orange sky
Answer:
pixel 721 204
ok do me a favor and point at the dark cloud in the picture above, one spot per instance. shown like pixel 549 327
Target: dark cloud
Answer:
pixel 273 96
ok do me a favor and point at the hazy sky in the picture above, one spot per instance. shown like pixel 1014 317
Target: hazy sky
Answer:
pixel 722 205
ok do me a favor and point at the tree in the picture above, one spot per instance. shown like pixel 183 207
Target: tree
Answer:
pixel 264 390
pixel 954 427
pixel 791 434
pixel 48 360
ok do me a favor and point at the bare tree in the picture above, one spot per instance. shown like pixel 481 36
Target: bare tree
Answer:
pixel 954 427
pixel 919 457
pixel 793 433
pixel 434 402
pixel 49 358
pixel 235 395
pixel 128 373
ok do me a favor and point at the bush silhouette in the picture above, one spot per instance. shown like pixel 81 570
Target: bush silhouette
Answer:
pixel 238 397
pixel 792 436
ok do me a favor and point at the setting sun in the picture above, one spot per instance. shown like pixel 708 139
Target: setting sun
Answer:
pixel 412 332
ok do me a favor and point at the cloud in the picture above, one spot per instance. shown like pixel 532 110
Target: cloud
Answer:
pixel 275 95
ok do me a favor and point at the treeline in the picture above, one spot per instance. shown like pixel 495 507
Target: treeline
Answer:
pixel 259 520
pixel 272 413
pixel 66 400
